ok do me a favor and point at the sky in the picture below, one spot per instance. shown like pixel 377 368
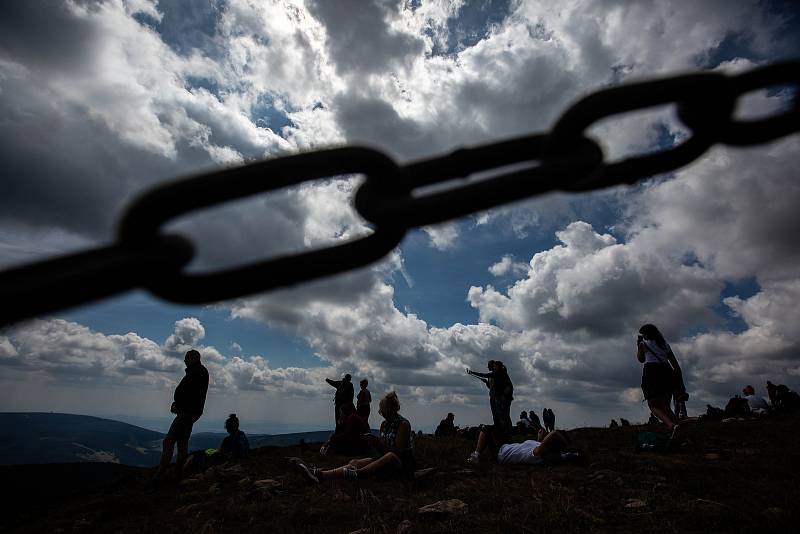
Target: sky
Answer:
pixel 101 100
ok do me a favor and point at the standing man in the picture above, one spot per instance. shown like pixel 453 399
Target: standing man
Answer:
pixel 190 398
pixel 501 392
pixel 488 379
pixel 344 394
pixel 363 401
pixel 549 419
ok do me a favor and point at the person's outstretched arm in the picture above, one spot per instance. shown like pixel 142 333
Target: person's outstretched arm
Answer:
pixel 490 374
pixel 334 383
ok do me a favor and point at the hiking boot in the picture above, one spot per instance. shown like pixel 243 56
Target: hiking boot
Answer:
pixel 474 458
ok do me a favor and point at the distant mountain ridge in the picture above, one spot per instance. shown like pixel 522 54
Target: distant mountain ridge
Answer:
pixel 42 438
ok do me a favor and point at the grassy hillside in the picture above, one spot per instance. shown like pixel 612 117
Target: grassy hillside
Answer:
pixel 27 438
pixel 737 476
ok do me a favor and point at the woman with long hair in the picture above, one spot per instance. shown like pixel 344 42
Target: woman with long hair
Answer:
pixel 661 374
pixel 396 446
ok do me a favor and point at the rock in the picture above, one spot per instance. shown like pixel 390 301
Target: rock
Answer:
pixel 774 514
pixel 635 503
pixel 188 482
pixel 361 531
pixel 405 527
pixel 245 482
pixel 214 489
pixel 443 508
pixel 267 483
pixel 712 456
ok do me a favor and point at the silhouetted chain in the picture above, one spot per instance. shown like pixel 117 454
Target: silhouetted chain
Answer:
pixel 395 198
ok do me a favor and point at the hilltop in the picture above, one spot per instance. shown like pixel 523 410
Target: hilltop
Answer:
pixel 735 476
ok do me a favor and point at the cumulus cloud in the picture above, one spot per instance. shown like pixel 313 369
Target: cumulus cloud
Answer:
pixel 507 266
pixel 221 84
pixel 65 352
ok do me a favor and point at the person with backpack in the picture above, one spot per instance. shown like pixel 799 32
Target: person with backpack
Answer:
pixel 661 374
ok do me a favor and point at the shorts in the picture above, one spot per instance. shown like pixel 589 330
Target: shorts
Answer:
pixel 181 427
pixel 658 381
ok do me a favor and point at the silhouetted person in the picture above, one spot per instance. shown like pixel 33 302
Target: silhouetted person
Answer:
pixel 446 427
pixel 537 424
pixel 527 452
pixel 235 444
pixel 549 419
pixel 772 390
pixel 660 374
pixel 624 422
pixel 524 425
pixel 501 394
pixel 190 398
pixel 489 382
pixel 737 407
pixel 363 401
pixel 613 424
pixel 343 395
pixel 396 447
pixel 758 405
pixel 787 401
pixel 349 437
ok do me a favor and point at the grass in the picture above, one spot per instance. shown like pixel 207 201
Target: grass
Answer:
pixel 738 476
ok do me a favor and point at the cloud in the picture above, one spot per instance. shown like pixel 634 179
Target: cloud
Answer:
pixel 360 36
pixel 260 79
pixel 442 236
pixel 507 266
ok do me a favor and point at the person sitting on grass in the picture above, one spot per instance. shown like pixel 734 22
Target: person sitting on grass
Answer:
pixel 349 439
pixel 235 444
pixel 446 427
pixel 532 451
pixel 524 425
pixel 396 446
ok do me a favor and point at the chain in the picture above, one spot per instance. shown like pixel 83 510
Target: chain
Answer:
pixel 393 197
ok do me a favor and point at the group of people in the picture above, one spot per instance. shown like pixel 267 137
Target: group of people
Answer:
pixel 395 442
pixel 344 396
pixel 530 423
pixel 662 384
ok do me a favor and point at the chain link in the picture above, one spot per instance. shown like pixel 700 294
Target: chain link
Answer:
pixel 393 196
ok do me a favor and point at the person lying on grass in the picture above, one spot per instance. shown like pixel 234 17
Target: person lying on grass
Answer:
pixel 396 446
pixel 528 452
